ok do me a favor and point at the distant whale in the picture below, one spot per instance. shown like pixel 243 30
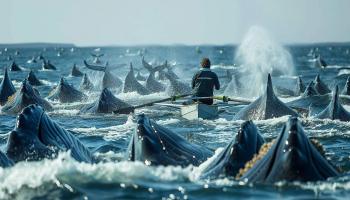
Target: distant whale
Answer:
pixel 66 93
pixel 150 68
pixel 265 107
pixel 110 81
pixel 154 144
pixel 14 67
pixel 132 85
pixel 290 157
pixel 33 80
pixel 246 144
pixel 36 137
pixel 177 87
pixel 47 65
pixel 6 88
pixel 334 110
pixel 75 71
pixel 320 86
pixel 153 85
pixel 300 87
pixel 319 62
pixel 106 103
pixel 25 96
pixel 86 83
pixel 346 90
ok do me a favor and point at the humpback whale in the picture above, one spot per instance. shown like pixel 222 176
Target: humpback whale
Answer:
pixel 346 90
pixel 32 60
pixel 5 161
pixel 153 85
pixel 239 151
pixel 110 81
pixel 75 71
pixel 66 93
pixel 319 62
pixel 36 136
pixel 265 107
pixel 33 80
pixel 320 86
pixel 310 90
pixel 139 77
pixel 6 88
pixel 25 96
pixel 156 145
pixel 177 87
pixel 106 103
pixel 86 83
pixel 47 65
pixel 334 110
pixel 131 84
pixel 14 67
pixel 150 68
pixel 290 157
pixel 300 87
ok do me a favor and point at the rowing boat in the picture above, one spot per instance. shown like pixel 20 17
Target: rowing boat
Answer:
pixel 199 110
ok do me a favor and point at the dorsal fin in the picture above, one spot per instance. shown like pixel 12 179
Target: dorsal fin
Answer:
pixel 269 86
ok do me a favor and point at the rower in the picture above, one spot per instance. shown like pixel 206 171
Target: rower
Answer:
pixel 203 83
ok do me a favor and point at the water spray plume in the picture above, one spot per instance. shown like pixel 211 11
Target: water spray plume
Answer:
pixel 257 56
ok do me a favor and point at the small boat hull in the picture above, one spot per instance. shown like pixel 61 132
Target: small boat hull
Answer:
pixel 198 110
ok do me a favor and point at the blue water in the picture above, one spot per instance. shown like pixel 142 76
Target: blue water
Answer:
pixel 108 135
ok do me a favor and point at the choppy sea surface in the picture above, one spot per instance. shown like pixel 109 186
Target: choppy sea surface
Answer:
pixel 108 135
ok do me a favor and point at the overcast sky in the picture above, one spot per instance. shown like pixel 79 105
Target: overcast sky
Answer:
pixel 130 22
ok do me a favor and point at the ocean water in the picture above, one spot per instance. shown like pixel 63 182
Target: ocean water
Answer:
pixel 108 135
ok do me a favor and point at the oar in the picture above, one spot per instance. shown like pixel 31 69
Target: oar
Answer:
pixel 132 109
pixel 223 98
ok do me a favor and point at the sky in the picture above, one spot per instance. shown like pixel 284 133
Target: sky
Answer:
pixel 140 22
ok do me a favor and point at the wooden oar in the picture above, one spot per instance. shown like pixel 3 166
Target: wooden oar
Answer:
pixel 132 109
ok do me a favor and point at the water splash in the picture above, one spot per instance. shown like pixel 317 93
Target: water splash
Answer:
pixel 258 55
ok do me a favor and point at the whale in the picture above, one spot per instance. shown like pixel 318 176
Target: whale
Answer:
pixel 110 81
pixel 85 83
pixel 177 87
pixel 6 88
pixel 320 86
pixel 106 103
pixel 153 85
pixel 310 90
pixel 155 145
pixel 75 71
pixel 319 62
pixel 311 98
pixel 14 67
pixel 23 97
pixel 47 65
pixel 150 68
pixel 66 93
pixel 300 87
pixel 5 161
pixel 346 89
pixel 233 157
pixel 334 110
pixel 132 85
pixel 292 156
pixel 33 80
pixel 267 106
pixel 36 136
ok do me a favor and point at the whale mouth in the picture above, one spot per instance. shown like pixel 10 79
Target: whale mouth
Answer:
pixel 291 156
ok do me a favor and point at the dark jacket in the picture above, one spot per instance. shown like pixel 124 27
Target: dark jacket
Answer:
pixel 203 83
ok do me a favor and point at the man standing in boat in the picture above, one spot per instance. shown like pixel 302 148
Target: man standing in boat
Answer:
pixel 203 83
